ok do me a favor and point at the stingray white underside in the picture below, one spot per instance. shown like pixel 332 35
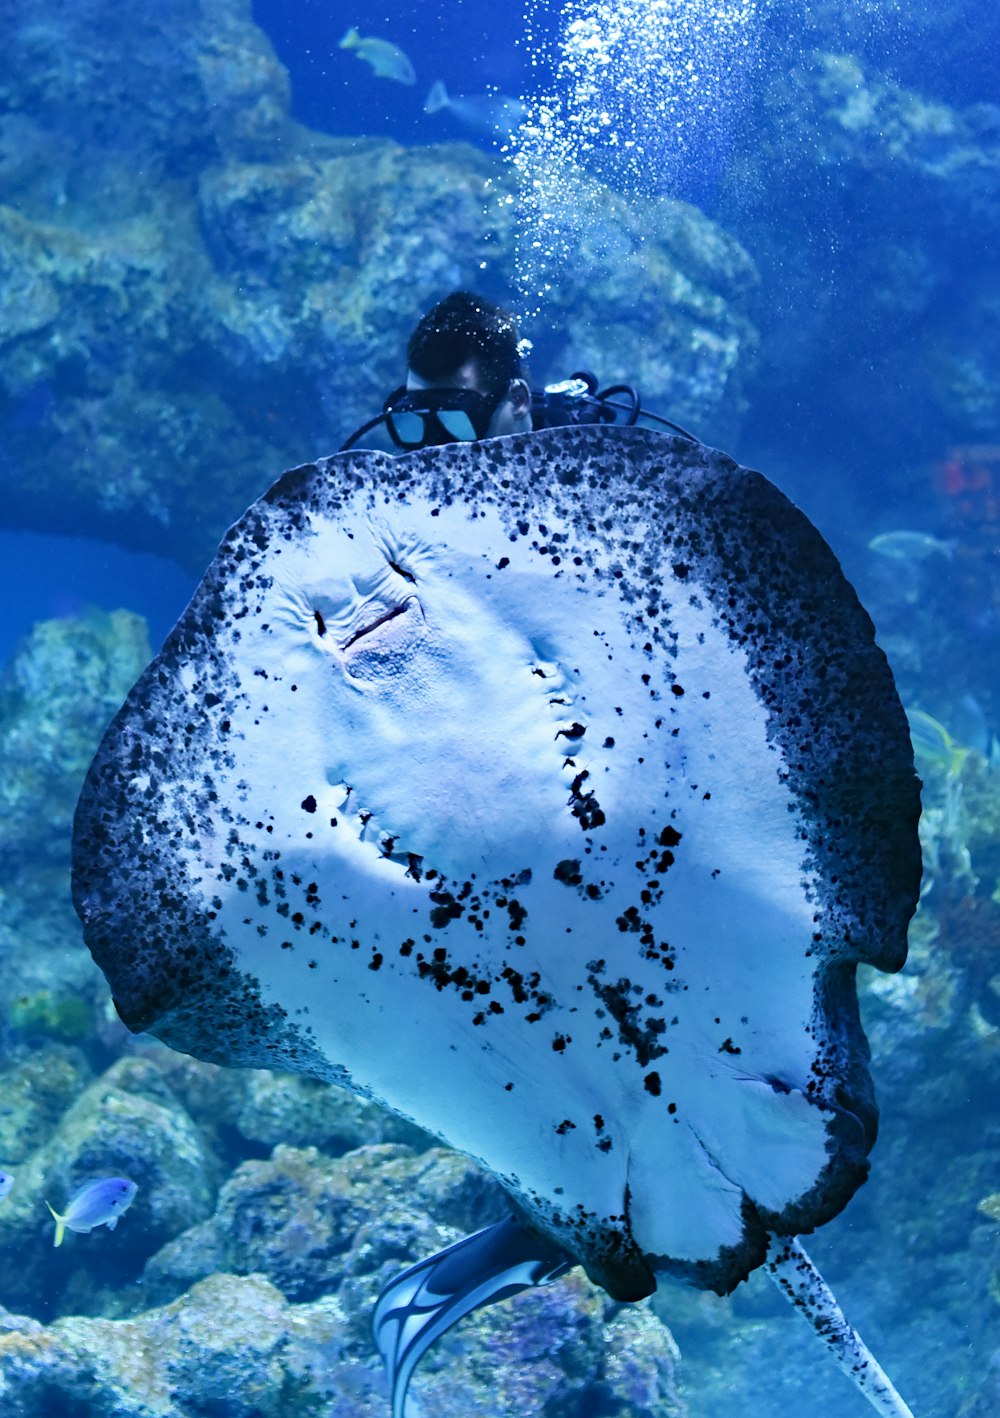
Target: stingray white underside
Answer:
pixel 404 704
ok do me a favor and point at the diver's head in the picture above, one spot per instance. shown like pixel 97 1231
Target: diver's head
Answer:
pixel 467 342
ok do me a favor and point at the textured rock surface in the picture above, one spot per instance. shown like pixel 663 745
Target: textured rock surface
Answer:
pixel 236 1345
pixel 298 1216
pixel 298 1111
pixel 123 1124
pixel 57 696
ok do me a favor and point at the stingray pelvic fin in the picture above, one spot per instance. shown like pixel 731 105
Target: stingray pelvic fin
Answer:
pixel 418 1306
pixel 805 1289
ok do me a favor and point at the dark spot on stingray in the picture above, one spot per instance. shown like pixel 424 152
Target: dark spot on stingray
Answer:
pixel 446 909
pixel 309 804
pixel 564 1127
pixel 584 805
pixel 728 1047
pixel 652 1084
pixel 635 1030
pixel 568 872
pixel 560 1041
pixel 517 913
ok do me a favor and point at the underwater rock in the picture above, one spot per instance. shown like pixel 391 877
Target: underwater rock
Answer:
pixel 57 696
pixel 295 1216
pixel 211 1096
pixel 640 1361
pixel 112 1129
pixel 318 1226
pixel 315 1226
pixel 36 1089
pixel 299 1111
pixel 233 1344
pixel 148 90
pixel 236 1345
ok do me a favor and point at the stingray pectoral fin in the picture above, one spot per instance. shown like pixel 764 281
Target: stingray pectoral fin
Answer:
pixel 421 1304
pixel 802 1285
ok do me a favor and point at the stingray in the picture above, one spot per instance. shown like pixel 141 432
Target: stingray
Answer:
pixel 548 790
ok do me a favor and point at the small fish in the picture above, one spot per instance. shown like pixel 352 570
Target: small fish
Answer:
pixel 932 741
pixel 6 1184
pixel 910 546
pixel 98 1203
pixel 488 113
pixel 971 727
pixel 990 1206
pixel 387 59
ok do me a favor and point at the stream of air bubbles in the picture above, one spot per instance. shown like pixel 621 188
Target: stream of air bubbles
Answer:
pixel 643 101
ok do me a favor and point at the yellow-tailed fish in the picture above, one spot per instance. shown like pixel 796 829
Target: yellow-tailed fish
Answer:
pixel 98 1203
pixel 932 741
pixel 386 59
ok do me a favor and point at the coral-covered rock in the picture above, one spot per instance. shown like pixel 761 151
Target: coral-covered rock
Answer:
pixel 36 1089
pixel 236 1345
pixel 121 1125
pixel 300 1112
pixel 57 695
pixel 233 1345
pixel 296 1216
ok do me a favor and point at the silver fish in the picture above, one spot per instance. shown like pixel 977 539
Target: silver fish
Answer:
pixel 387 60
pixel 99 1203
pixel 494 113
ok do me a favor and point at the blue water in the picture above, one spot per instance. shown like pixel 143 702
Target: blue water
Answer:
pixel 43 577
pixel 839 161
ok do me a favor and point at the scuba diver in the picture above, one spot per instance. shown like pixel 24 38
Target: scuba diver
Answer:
pixel 466 380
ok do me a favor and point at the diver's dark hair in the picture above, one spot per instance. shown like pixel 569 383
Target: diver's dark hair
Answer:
pixel 461 327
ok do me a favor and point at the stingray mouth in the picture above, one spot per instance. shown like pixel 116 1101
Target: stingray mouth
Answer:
pixel 378 620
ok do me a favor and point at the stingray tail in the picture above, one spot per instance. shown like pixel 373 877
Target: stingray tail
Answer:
pixel 802 1285
pixel 421 1304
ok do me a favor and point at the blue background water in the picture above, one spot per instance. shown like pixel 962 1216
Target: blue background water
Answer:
pixel 832 436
